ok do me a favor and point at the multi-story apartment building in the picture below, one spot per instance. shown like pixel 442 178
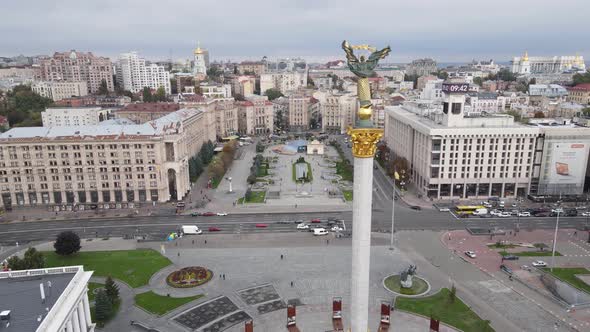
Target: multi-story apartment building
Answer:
pixel 134 73
pixel 100 101
pixel 421 67
pixel 255 116
pixel 76 66
pixel 483 102
pixel 338 111
pixel 60 90
pixel 252 67
pixel 284 81
pixel 96 164
pixel 580 94
pixel 226 118
pixel 451 155
pixel 243 85
pixel 215 91
pixel 299 114
pixel 74 116
pixel 144 112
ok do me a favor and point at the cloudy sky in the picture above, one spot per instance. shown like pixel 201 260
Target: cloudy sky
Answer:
pixel 448 30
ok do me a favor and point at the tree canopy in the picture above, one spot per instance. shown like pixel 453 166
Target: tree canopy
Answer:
pixel 103 89
pixel 22 107
pixel 582 78
pixel 273 94
pixel 33 259
pixel 67 243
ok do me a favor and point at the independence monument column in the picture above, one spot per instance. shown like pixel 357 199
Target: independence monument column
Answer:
pixel 364 138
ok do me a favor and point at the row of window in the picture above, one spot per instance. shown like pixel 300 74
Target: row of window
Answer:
pixel 78 147
pixel 92 185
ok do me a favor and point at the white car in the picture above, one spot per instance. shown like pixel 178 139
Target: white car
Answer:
pixel 495 213
pixel 336 229
pixel 539 264
pixel 585 214
pixel 505 215
pixel 303 226
pixel 524 214
pixel 221 214
pixel 470 254
pixel 560 210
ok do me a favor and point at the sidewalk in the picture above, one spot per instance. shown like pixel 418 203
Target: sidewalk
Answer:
pixel 409 196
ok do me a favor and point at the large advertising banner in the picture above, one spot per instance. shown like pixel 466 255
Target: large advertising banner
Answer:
pixel 568 164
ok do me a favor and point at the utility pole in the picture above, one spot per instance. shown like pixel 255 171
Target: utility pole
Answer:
pixel 555 238
pixel 392 213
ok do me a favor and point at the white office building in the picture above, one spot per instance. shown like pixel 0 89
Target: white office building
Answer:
pixel 284 81
pixel 58 90
pixel 546 65
pixel 134 73
pixel 43 300
pixel 73 116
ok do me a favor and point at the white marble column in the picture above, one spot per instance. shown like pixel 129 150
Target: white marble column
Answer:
pixel 75 321
pixel 361 243
pixel 69 327
pixel 82 317
pixel 87 310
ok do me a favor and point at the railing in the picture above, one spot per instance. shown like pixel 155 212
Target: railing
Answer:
pixel 39 272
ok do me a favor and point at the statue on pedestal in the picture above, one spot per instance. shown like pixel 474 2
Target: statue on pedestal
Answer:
pixel 406 276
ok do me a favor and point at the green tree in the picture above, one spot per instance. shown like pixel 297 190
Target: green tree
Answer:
pixel 103 89
pixel 478 81
pixel 160 94
pixel 239 97
pixel 413 78
pixel 214 72
pixel 441 74
pixel 147 95
pixel 34 259
pixel 103 307
pixel 173 86
pixel 273 94
pixel 582 78
pixel 67 243
pixel 112 290
pixel 506 75
pixel 586 111
pixel 23 107
pixel 195 167
pixel 515 114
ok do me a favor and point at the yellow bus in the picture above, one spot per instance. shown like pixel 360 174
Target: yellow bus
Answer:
pixel 468 209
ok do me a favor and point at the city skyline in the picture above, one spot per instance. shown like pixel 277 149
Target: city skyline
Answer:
pixel 413 30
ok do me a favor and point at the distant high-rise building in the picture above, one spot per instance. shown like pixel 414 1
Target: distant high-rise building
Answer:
pixel 60 90
pixel 547 65
pixel 133 74
pixel 76 66
pixel 201 57
pixel 421 67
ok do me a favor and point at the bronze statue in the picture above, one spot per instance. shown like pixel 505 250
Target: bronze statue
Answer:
pixel 361 67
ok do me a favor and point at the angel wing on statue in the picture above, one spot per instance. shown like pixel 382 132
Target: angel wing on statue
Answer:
pixel 361 67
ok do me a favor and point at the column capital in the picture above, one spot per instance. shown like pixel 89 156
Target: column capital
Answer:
pixel 364 141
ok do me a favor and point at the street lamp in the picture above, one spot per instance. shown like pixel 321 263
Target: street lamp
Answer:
pixel 392 213
pixel 230 186
pixel 555 236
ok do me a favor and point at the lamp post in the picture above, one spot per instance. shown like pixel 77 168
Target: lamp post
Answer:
pixel 392 213
pixel 555 237
pixel 230 187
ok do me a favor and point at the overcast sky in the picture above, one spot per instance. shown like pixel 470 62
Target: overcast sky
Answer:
pixel 447 30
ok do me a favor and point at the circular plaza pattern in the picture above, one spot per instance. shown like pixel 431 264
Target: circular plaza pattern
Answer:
pixel 419 286
pixel 190 276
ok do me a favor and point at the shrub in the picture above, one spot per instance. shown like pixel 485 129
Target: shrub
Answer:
pixel 112 290
pixel 67 243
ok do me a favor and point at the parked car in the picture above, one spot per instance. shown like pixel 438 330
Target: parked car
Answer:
pixel 196 214
pixel 539 264
pixel 510 258
pixel 524 214
pixel 214 229
pixel 221 214
pixel 316 221
pixel 261 225
pixel 303 226
pixel 320 231
pixel 336 229
pixel 505 215
pixel 415 207
pixel 585 214
pixel 470 254
pixel 444 209
pixel 343 234
pixel 506 269
pixel 560 210
pixel 209 214
pixel 571 213
pixel 526 268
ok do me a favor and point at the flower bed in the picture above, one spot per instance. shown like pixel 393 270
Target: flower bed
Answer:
pixel 187 277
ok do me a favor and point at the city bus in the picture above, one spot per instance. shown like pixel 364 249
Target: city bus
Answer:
pixel 468 209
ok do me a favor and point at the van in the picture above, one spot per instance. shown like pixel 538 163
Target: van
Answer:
pixel 320 231
pixel 480 212
pixel 191 230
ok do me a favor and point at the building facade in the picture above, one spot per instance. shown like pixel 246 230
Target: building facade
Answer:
pixel 243 85
pixel 70 116
pixel 547 65
pixel 55 90
pixel 283 81
pixel 255 116
pixel 133 74
pixel 299 114
pixel 226 118
pixel 200 63
pixel 256 68
pixel 580 94
pixel 421 67
pixel 143 112
pixel 215 91
pixel 76 66
pixel 101 164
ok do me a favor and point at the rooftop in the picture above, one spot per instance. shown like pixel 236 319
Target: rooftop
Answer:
pixel 581 87
pixel 22 296
pixel 151 107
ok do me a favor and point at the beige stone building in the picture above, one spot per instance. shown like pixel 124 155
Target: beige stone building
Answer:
pixel 76 66
pixel 256 67
pixel 298 113
pixel 144 112
pixel 226 118
pixel 243 85
pixel 60 90
pixel 74 116
pixel 81 165
pixel 579 94
pixel 255 116
pixel 338 111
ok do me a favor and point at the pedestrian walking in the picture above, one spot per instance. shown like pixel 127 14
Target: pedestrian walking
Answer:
pixel 205 241
pixel 327 241
pixel 291 283
pixel 179 254
pixel 281 256
pixel 193 241
pixel 224 276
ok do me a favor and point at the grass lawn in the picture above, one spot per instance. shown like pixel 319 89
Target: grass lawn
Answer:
pixel 456 314
pixel 568 274
pixel 344 169
pixel 347 195
pixel 91 287
pixel 419 286
pixel 501 246
pixel 134 267
pixel 256 197
pixel 159 305
pixel 530 253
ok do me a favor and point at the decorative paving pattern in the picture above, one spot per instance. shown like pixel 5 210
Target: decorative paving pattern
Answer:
pixel 205 313
pixel 259 294
pixel 271 306
pixel 227 322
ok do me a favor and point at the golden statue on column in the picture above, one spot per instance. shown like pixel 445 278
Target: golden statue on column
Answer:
pixel 364 136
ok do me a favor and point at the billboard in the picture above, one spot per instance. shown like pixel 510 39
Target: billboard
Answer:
pixel 568 163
